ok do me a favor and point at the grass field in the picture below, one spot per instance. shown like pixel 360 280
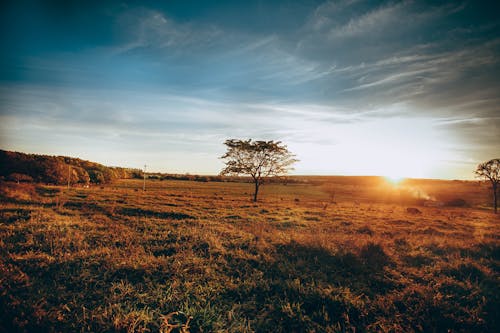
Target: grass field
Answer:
pixel 334 254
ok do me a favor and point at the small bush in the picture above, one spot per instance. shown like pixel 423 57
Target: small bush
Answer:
pixel 457 202
pixel 413 211
pixel 365 230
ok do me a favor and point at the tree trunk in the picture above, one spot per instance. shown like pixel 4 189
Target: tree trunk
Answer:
pixel 495 197
pixel 256 190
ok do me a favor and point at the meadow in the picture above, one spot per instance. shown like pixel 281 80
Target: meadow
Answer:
pixel 321 254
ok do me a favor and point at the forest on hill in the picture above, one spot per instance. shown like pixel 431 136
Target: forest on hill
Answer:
pixel 56 170
pixel 47 169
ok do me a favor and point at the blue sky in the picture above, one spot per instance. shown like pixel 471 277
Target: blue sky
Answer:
pixel 406 88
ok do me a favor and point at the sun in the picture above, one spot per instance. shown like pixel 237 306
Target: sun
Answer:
pixel 394 180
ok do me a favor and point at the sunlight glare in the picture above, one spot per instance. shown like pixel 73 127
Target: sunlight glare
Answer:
pixel 394 180
pixel 393 148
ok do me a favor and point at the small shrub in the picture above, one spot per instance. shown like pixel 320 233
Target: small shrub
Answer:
pixel 365 230
pixel 457 202
pixel 413 210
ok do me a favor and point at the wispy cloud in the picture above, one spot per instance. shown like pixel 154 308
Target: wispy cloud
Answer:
pixel 164 80
pixel 354 19
pixel 145 28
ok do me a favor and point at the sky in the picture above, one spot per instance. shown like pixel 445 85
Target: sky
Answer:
pixel 395 88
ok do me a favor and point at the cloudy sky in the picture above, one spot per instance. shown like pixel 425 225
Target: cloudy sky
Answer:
pixel 404 88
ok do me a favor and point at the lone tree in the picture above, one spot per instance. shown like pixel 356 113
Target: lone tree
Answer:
pixel 257 159
pixel 490 170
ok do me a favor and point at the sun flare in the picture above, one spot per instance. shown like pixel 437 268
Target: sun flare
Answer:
pixel 394 180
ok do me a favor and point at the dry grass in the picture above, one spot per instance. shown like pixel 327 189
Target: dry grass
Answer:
pixel 340 256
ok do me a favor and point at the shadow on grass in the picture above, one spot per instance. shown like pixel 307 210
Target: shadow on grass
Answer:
pixel 307 288
pixel 12 215
pixel 81 286
pixel 151 213
pixel 90 207
pixel 47 191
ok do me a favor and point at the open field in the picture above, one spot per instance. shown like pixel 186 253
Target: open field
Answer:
pixel 337 254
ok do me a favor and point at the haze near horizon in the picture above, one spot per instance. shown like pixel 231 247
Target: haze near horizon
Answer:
pixel 400 89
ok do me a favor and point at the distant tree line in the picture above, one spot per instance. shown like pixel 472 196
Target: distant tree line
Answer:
pixel 225 179
pixel 22 167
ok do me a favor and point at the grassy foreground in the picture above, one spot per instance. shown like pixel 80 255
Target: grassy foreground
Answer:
pixel 342 255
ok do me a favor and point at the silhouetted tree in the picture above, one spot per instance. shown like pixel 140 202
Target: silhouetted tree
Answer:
pixel 257 159
pixel 490 170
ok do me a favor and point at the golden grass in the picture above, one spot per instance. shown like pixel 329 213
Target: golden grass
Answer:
pixel 334 255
